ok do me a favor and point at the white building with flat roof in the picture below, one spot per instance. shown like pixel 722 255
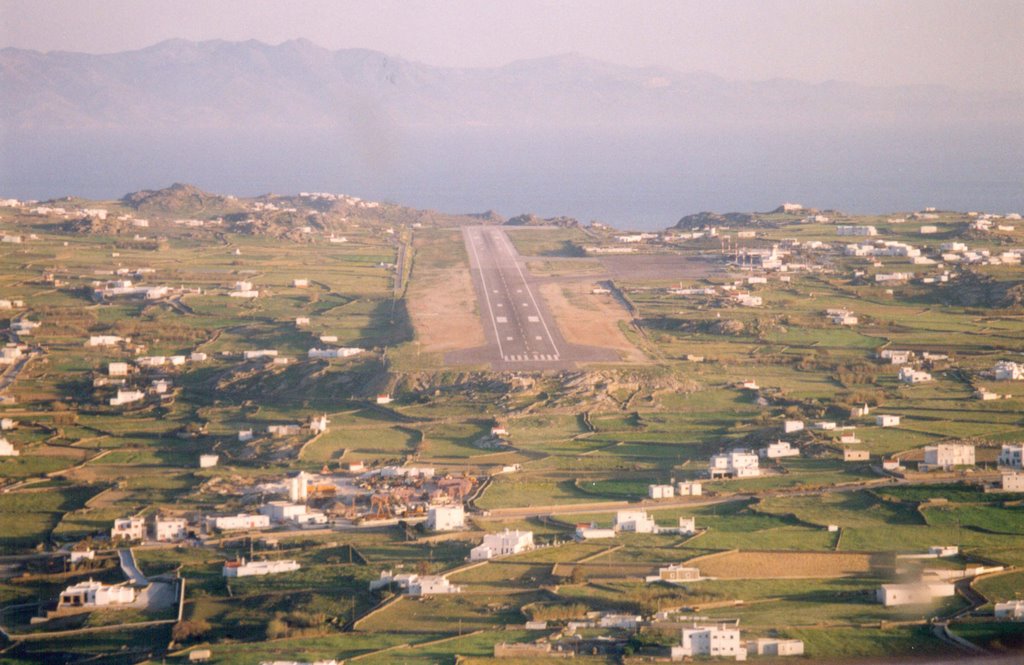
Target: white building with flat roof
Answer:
pixel 779 449
pixel 660 491
pixel 734 464
pixel 593 532
pixel 1012 482
pixel 887 420
pixel 207 461
pixel 911 375
pixel 502 544
pixel 715 641
pixel 947 455
pixel 237 522
pixel 1012 610
pixel 790 426
pixel 129 528
pixel 95 594
pixel 918 593
pixel 243 568
pixel 446 518
pixel 1005 370
pixel 770 646
pixel 635 521
pixel 170 529
pixel 1011 455
pixel 689 488
pixel 7 448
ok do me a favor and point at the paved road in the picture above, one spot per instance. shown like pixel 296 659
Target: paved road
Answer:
pixel 520 331
pixel 130 569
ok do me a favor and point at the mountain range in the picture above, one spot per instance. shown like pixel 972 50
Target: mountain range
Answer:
pixel 220 84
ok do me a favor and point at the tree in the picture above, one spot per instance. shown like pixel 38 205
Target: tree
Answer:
pixel 184 631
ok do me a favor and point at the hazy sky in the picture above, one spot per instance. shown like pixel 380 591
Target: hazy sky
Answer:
pixel 965 44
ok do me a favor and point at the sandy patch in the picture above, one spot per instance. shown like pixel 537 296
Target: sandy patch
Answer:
pixel 588 319
pixel 443 308
pixel 771 565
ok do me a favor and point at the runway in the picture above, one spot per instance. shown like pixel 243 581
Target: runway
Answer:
pixel 520 331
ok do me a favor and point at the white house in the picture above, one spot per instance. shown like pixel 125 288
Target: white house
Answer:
pixel 245 435
pixel 734 464
pixel 301 321
pixel 326 354
pixel 431 585
pixel 7 449
pixel 95 594
pixel 117 369
pixel 919 593
pixel 593 532
pixel 887 420
pixel 637 521
pixel 910 375
pixel 715 641
pixel 446 518
pixel 129 528
pixel 768 646
pixel 1008 371
pixel 1012 610
pixel 243 568
pixel 300 283
pixel 8 424
pixel 660 491
pixel 170 529
pixel 779 449
pixel 104 340
pixel 127 397
pixel 207 461
pixel 74 556
pixel 282 511
pixel 896 356
pixel 687 526
pixel 675 573
pixel 502 544
pixel 1012 482
pixel 947 456
pixel 237 522
pixel 1011 455
pixel 860 411
pixel 790 426
pixel 688 488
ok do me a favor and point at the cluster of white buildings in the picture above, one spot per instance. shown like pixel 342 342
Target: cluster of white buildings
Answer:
pixel 683 488
pixel 327 354
pixel 724 641
pixel 126 288
pixel 1006 370
pixel 841 317
pixel 633 521
pixel 163 529
pixel 913 376
pixel 95 594
pixel 243 289
pixel 734 464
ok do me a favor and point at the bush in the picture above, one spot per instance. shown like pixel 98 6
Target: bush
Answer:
pixel 184 631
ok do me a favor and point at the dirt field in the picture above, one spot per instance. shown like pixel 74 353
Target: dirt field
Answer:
pixel 442 305
pixel 656 266
pixel 773 565
pixel 590 320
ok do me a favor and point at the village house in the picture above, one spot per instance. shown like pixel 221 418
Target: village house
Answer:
pixel 887 421
pixel 281 431
pixel 301 321
pixel 300 283
pixel 502 544
pixel 848 438
pixel 1011 455
pixel 208 460
pixel 660 491
pixel 74 556
pixel 675 573
pixel 851 455
pixel 825 425
pixel 687 526
pixel 237 522
pixel 170 529
pixel 734 464
pixel 688 488
pixel 446 518
pixel 104 340
pixel 770 646
pixel 910 375
pixel 10 354
pixel 715 641
pixel 593 532
pixel 95 594
pixel 7 449
pixel 860 411
pixel 327 354
pixel 1011 482
pixel 1011 610
pixel 1005 370
pixel 415 585
pixel 790 426
pixel 779 449
pixel 127 397
pixel 896 356
pixel 243 568
pixel 259 353
pixel 8 424
pixel 634 521
pixel 849 230
pixel 129 528
pixel 946 456
pixel 117 369
pixel 916 593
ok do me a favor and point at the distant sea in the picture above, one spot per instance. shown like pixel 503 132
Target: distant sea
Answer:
pixel 641 180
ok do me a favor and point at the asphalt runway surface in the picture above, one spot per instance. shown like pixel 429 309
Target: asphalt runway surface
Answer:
pixel 520 331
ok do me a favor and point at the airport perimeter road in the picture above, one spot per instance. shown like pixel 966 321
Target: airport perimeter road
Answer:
pixel 520 331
